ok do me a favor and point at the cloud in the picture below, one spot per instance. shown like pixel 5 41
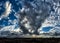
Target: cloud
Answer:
pixel 7 11
pixel 55 30
pixel 10 31
pixel 8 8
pixel 48 23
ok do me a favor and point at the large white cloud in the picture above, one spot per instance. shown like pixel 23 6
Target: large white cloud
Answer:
pixel 50 22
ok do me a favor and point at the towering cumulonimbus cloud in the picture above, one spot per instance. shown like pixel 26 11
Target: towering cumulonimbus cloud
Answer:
pixel 35 16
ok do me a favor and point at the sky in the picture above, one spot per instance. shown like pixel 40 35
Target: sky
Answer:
pixel 9 16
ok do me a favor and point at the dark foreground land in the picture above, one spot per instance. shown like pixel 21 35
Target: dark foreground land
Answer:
pixel 30 40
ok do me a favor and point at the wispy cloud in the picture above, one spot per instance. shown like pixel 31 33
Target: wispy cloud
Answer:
pixel 7 10
pixel 11 28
